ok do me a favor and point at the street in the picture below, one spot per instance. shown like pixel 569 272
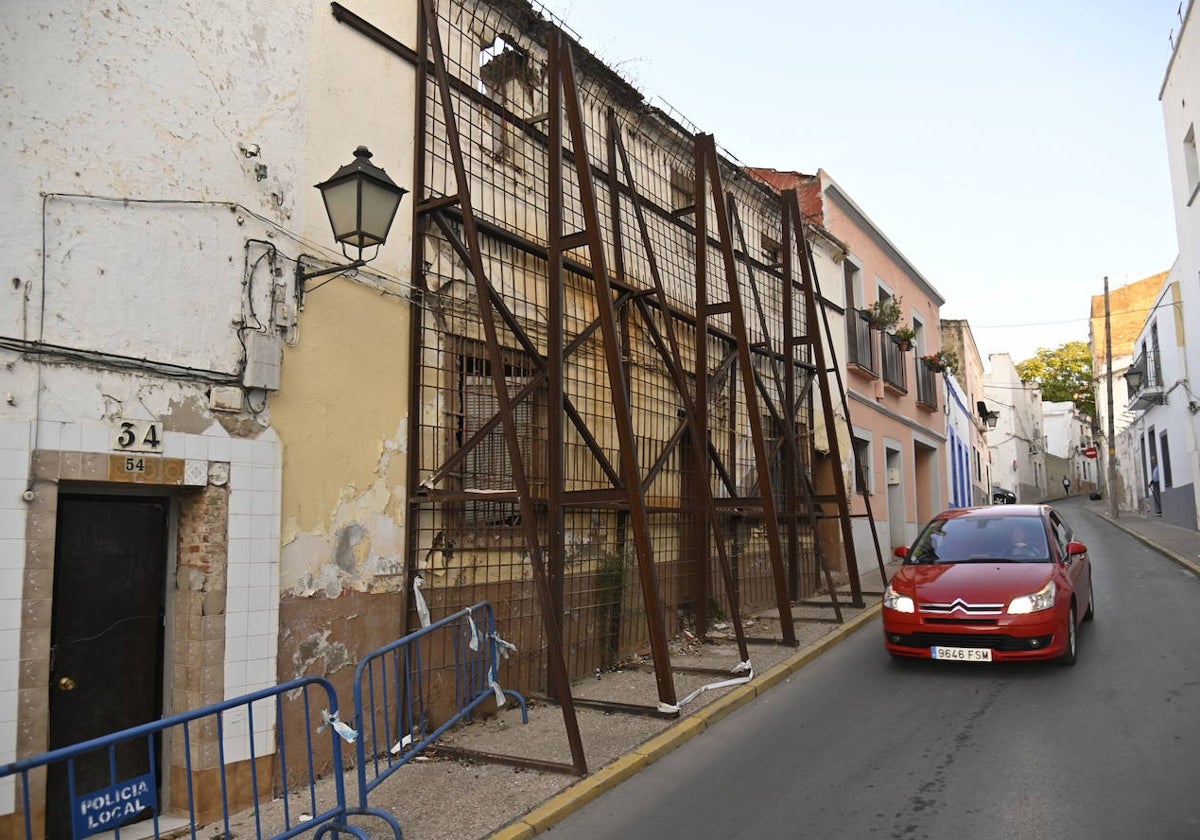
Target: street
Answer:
pixel 855 745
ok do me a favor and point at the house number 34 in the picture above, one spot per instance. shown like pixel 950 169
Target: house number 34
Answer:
pixel 138 435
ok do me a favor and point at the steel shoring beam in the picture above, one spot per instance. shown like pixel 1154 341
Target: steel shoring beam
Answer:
pixel 786 426
pixel 736 225
pixel 788 439
pixel 812 291
pixel 823 383
pixel 673 358
pixel 559 677
pixel 556 476
pixel 737 316
pixel 416 326
pixel 638 516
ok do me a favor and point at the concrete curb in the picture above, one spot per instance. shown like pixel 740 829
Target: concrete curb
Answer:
pixel 1170 554
pixel 562 804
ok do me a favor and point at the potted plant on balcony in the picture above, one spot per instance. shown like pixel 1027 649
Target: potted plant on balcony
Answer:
pixel 943 360
pixel 884 313
pixel 903 336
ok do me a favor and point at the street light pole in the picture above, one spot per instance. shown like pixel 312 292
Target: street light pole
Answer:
pixel 1112 424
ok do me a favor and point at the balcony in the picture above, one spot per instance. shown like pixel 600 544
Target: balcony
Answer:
pixel 860 341
pixel 926 386
pixel 1144 382
pixel 895 371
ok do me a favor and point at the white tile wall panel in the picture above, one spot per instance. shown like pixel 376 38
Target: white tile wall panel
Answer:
pixel 95 437
pixel 14 434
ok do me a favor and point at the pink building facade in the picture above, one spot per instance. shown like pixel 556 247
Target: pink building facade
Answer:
pixel 896 397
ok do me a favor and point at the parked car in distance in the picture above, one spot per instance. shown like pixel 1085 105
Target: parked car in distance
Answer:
pixel 1000 496
pixel 990 584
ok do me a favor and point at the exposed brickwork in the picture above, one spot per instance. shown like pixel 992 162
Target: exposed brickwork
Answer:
pixel 198 605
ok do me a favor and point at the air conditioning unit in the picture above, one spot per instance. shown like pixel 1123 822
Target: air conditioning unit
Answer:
pixel 893 475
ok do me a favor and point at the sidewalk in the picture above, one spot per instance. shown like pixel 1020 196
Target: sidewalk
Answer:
pixel 1179 544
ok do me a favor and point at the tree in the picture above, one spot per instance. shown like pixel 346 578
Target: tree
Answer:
pixel 1063 374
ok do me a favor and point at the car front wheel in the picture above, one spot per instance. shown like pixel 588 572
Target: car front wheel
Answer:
pixel 1068 657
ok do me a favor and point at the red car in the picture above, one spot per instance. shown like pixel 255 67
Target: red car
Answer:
pixel 990 584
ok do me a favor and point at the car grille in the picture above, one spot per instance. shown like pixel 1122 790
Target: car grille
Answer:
pixel 995 641
pixel 964 607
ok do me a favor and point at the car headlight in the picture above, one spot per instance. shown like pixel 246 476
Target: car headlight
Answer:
pixel 1043 599
pixel 892 600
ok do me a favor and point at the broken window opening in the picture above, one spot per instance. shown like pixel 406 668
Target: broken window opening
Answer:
pixel 488 468
pixel 506 75
pixel 683 189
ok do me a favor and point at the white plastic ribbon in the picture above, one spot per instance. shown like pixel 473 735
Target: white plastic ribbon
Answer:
pixel 401 745
pixel 501 700
pixel 741 667
pixel 501 647
pixel 474 643
pixel 347 733
pixel 422 607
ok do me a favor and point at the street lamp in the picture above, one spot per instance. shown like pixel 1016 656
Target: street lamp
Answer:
pixel 1133 379
pixel 988 417
pixel 361 202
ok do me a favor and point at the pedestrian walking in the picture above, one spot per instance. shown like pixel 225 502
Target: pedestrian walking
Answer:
pixel 1155 490
pixel 1066 486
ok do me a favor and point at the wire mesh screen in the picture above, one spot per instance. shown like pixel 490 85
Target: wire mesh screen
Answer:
pixel 479 394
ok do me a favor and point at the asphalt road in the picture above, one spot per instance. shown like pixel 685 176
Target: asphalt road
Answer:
pixel 857 746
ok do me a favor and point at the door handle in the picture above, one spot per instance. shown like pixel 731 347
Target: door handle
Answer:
pixel 66 684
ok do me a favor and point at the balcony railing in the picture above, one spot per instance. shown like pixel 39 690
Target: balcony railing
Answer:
pixel 1145 381
pixel 860 341
pixel 895 371
pixel 926 385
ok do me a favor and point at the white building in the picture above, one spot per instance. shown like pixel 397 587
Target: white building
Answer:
pixel 1068 435
pixel 158 202
pixel 966 427
pixel 1017 443
pixel 961 422
pixel 1161 399
pixel 1170 422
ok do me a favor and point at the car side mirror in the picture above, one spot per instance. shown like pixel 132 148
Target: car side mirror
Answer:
pixel 902 552
pixel 1075 548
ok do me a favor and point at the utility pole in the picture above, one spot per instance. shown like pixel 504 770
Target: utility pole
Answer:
pixel 1112 423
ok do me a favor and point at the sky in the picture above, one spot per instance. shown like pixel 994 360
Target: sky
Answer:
pixel 1013 151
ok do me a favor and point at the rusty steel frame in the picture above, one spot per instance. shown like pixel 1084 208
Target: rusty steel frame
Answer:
pixel 673 358
pixel 559 678
pixel 709 172
pixel 562 73
pixel 812 293
pixel 614 297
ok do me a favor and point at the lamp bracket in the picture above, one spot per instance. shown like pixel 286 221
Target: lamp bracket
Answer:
pixel 302 276
pixel 308 275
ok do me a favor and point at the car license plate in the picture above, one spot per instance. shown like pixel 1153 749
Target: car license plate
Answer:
pixel 962 654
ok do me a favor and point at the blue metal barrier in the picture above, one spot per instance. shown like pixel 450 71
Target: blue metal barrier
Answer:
pixel 124 799
pixel 392 690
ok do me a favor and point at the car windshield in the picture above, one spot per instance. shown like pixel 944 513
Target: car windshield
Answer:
pixel 967 539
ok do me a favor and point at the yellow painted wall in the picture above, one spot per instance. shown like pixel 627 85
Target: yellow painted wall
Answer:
pixel 342 416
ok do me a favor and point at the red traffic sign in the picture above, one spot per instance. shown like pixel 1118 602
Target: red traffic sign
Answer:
pixel 1091 452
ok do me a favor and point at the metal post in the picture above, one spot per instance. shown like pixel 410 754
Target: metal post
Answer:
pixel 1112 422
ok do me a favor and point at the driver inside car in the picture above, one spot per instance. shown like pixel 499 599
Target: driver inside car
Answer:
pixel 1022 545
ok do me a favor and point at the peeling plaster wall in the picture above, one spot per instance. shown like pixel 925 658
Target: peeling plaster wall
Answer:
pixel 128 222
pixel 342 416
pixel 143 102
pixel 341 411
